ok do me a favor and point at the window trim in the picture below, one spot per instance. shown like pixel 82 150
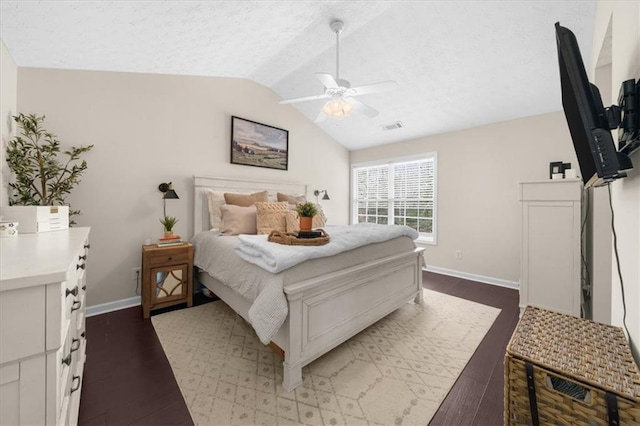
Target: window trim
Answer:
pixel 422 239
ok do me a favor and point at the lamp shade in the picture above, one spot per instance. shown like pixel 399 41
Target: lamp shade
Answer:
pixel 168 192
pixel 326 195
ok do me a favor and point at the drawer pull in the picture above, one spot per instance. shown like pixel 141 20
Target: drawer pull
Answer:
pixel 73 389
pixel 84 287
pixel 83 334
pixel 82 257
pixel 74 348
pixel 170 258
pixel 76 305
pixel 87 246
pixel 74 291
pixel 80 266
pixel 67 360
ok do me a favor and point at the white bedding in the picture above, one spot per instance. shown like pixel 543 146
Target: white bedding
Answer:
pixel 217 255
pixel 275 257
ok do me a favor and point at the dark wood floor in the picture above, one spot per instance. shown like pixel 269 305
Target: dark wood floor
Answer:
pixel 128 379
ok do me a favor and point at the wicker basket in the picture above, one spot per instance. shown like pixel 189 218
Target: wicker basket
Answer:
pixel 292 239
pixel 580 368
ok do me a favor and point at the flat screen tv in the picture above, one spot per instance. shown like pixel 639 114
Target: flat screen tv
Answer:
pixel 598 158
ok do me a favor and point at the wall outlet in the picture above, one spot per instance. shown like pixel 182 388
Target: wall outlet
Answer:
pixel 459 254
pixel 135 273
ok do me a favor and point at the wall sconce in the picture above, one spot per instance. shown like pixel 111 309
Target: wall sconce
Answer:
pixel 167 194
pixel 318 192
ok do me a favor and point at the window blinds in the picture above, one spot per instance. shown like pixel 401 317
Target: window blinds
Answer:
pixel 401 193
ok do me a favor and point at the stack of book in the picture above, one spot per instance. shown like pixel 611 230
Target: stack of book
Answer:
pixel 174 240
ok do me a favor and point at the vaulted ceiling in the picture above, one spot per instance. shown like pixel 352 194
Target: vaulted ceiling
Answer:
pixel 458 64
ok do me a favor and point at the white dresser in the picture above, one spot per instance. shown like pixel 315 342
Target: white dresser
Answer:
pixel 550 273
pixel 42 326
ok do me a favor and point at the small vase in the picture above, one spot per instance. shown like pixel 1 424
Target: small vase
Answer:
pixel 305 223
pixel 168 233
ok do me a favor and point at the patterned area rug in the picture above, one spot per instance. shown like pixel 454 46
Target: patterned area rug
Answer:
pixel 395 372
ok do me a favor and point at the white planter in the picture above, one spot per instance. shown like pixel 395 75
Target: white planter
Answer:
pixel 34 219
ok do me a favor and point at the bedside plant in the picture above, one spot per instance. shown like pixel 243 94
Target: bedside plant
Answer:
pixel 41 179
pixel 306 211
pixel 168 222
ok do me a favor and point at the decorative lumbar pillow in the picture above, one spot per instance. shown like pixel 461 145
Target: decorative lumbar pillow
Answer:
pixel 238 220
pixel 246 200
pixel 293 220
pixel 291 199
pixel 215 199
pixel 271 217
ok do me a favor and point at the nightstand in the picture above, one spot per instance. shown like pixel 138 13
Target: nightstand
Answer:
pixel 167 276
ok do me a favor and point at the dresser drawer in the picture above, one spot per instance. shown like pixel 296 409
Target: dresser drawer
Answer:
pixel 24 337
pixel 167 257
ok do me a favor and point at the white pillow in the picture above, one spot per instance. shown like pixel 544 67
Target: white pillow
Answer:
pixel 215 200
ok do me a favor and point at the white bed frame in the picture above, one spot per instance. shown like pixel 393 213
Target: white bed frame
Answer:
pixel 323 311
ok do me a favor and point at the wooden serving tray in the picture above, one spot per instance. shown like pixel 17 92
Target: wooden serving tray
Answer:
pixel 292 239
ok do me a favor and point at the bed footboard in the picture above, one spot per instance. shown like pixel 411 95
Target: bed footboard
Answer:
pixel 326 311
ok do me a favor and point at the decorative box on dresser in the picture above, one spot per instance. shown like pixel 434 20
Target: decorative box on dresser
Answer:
pixel 550 272
pixel 42 326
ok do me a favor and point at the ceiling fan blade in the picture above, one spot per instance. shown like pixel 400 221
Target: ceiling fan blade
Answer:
pixel 383 86
pixel 305 98
pixel 328 80
pixel 362 108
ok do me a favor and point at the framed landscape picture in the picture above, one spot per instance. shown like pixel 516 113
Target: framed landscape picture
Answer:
pixel 259 145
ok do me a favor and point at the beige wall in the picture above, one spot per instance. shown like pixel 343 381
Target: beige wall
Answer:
pixel 478 174
pixel 8 101
pixel 149 129
pixel 625 64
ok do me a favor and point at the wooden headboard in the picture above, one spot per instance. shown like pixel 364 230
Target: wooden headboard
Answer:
pixel 201 209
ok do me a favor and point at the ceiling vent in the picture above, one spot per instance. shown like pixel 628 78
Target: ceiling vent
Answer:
pixel 393 126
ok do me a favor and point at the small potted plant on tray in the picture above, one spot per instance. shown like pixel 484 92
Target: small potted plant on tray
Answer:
pixel 168 222
pixel 306 211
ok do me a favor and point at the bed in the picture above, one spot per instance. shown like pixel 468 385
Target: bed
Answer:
pixel 325 309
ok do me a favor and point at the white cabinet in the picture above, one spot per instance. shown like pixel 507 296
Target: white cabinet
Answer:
pixel 550 273
pixel 42 332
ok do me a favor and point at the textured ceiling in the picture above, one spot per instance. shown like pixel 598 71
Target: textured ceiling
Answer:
pixel 458 64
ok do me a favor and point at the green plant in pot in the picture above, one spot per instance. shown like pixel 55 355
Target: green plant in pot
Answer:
pixel 306 211
pixel 168 222
pixel 41 177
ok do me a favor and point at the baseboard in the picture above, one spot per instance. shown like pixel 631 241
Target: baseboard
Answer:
pixel 473 277
pixel 113 306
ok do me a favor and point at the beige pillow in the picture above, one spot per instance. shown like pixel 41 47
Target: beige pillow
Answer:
pixel 215 199
pixel 293 221
pixel 238 220
pixel 291 199
pixel 246 200
pixel 270 217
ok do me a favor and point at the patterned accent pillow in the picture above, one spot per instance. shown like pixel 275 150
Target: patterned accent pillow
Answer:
pixel 271 217
pixel 238 220
pixel 291 199
pixel 245 200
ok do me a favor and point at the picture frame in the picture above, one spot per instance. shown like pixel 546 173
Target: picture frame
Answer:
pixel 259 145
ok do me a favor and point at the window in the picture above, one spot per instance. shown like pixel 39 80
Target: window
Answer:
pixel 398 191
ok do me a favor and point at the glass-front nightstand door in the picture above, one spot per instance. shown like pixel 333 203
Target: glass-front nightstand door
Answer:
pixel 168 283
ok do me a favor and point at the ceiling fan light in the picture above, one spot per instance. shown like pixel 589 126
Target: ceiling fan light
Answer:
pixel 337 108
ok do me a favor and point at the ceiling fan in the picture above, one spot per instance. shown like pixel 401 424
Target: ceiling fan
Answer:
pixel 340 92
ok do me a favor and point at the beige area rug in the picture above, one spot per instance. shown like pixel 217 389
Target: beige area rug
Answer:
pixel 397 371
